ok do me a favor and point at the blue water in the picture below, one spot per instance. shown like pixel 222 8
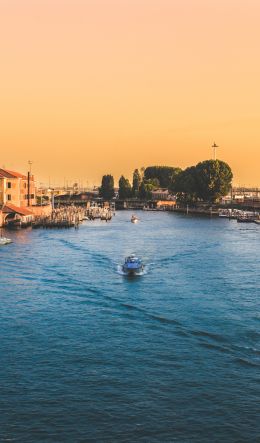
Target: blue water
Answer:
pixel 88 355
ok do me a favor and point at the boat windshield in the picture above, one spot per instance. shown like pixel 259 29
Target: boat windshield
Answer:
pixel 131 259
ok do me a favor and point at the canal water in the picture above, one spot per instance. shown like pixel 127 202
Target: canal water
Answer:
pixel 88 355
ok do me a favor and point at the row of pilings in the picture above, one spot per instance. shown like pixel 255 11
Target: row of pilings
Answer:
pixel 71 216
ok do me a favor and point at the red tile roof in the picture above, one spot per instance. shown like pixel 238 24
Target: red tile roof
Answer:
pixel 11 174
pixel 12 208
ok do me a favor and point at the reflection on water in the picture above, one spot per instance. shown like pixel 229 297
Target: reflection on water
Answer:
pixel 88 354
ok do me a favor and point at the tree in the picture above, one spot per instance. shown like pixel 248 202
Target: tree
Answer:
pixel 125 189
pixel 213 179
pixel 146 188
pixel 185 185
pixel 136 182
pixel 165 174
pixel 107 191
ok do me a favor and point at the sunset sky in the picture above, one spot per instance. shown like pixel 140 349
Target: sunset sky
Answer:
pixel 90 87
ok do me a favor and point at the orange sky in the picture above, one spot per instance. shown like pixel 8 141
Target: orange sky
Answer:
pixel 103 86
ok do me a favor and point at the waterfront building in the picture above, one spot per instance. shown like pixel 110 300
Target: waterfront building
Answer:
pixel 10 213
pixel 16 188
pixel 17 196
pixel 162 194
pixel 243 197
pixel 165 204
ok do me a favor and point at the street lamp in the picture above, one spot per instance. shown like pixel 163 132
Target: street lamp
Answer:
pixel 214 146
pixel 28 182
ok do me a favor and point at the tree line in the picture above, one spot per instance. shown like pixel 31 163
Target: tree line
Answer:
pixel 207 181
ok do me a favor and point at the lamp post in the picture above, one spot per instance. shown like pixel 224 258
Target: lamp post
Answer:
pixel 28 182
pixel 214 146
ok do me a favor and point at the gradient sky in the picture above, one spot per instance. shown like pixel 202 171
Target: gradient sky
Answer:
pixel 89 87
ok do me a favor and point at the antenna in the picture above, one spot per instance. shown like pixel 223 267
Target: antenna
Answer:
pixel 214 146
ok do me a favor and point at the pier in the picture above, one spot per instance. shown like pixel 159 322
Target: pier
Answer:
pixel 71 216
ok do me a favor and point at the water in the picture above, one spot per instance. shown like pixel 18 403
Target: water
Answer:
pixel 88 355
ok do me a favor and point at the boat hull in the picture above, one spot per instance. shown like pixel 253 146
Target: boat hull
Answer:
pixel 5 241
pixel 132 272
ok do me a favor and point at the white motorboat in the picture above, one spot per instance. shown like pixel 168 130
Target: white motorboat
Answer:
pixel 5 241
pixel 134 219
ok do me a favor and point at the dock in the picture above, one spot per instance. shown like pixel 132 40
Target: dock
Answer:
pixel 71 216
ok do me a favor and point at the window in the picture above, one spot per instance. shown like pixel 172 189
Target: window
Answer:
pixel 25 185
pixel 9 197
pixel 32 195
pixel 9 185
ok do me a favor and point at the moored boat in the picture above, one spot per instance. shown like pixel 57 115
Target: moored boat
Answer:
pixel 248 217
pixel 5 241
pixel 14 223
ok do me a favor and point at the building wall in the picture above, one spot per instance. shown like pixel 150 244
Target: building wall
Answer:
pixel 24 192
pixel 165 203
pixel 12 191
pixel 15 191
pixel 2 187
pixel 1 219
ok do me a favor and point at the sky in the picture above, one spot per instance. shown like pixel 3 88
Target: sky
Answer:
pixel 89 87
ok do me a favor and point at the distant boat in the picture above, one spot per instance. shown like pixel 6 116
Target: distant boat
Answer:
pixel 247 217
pixel 133 265
pixel 245 220
pixel 134 219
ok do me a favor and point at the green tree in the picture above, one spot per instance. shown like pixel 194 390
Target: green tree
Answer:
pixel 107 191
pixel 136 182
pixel 125 189
pixel 146 188
pixel 213 179
pixel 185 185
pixel 165 174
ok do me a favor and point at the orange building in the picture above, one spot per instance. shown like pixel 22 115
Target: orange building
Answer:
pixel 16 189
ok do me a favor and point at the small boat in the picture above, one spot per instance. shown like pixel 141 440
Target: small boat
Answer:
pixel 4 240
pixel 14 223
pixel 247 217
pixel 133 265
pixel 245 220
pixel 134 219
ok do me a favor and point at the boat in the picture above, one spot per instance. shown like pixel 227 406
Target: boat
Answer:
pixel 134 219
pixel 4 240
pixel 133 265
pixel 226 213
pixel 247 217
pixel 14 223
